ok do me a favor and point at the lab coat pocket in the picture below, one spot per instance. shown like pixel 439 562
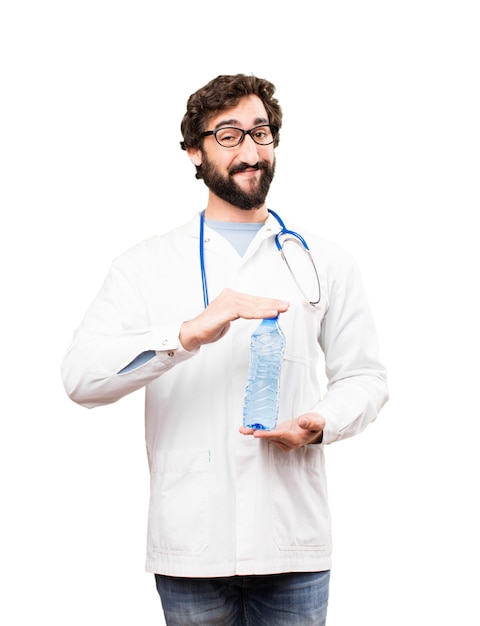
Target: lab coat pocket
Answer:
pixel 300 512
pixel 301 325
pixel 299 389
pixel 178 513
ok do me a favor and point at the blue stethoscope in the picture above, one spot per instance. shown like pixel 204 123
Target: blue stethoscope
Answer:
pixel 280 239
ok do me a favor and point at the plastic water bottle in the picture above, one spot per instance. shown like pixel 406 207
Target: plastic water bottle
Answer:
pixel 262 394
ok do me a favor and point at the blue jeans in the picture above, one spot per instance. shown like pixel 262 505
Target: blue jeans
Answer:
pixel 296 599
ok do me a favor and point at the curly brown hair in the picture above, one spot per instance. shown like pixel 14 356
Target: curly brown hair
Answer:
pixel 222 93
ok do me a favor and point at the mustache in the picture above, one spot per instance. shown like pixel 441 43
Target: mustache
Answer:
pixel 241 167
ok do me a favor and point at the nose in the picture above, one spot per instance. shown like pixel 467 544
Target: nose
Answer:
pixel 248 150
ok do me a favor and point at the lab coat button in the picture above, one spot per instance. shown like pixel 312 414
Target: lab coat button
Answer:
pixel 170 353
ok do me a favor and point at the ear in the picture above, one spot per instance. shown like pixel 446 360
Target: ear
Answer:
pixel 195 155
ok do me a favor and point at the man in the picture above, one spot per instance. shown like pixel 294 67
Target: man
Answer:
pixel 239 525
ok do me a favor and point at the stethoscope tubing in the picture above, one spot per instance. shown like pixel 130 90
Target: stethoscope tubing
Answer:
pixel 289 235
pixel 285 231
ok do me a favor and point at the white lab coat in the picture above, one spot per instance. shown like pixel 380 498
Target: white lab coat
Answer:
pixel 223 503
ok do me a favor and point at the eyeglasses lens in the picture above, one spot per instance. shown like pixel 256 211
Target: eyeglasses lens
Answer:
pixel 230 137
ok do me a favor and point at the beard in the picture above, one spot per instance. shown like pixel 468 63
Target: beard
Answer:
pixel 226 188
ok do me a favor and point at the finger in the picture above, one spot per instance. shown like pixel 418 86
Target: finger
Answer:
pixel 246 431
pixel 266 434
pixel 260 310
pixel 250 307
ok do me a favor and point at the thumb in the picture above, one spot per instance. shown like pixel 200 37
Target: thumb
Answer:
pixel 306 424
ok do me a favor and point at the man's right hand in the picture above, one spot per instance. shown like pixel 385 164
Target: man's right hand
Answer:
pixel 214 321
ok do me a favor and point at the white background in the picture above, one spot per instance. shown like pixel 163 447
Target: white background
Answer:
pixel 379 151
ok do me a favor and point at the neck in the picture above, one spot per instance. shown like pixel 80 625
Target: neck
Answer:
pixel 221 211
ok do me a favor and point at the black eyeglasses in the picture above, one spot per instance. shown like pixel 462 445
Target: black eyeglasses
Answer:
pixel 230 137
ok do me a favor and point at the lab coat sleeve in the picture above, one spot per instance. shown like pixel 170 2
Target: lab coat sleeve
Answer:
pixel 114 331
pixel 357 384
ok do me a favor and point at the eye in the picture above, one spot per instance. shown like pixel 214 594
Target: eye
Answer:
pixel 228 135
pixel 262 135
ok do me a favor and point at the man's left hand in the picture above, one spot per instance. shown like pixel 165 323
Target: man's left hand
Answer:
pixel 293 434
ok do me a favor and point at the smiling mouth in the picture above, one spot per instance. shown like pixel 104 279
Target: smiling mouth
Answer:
pixel 247 172
pixel 244 168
